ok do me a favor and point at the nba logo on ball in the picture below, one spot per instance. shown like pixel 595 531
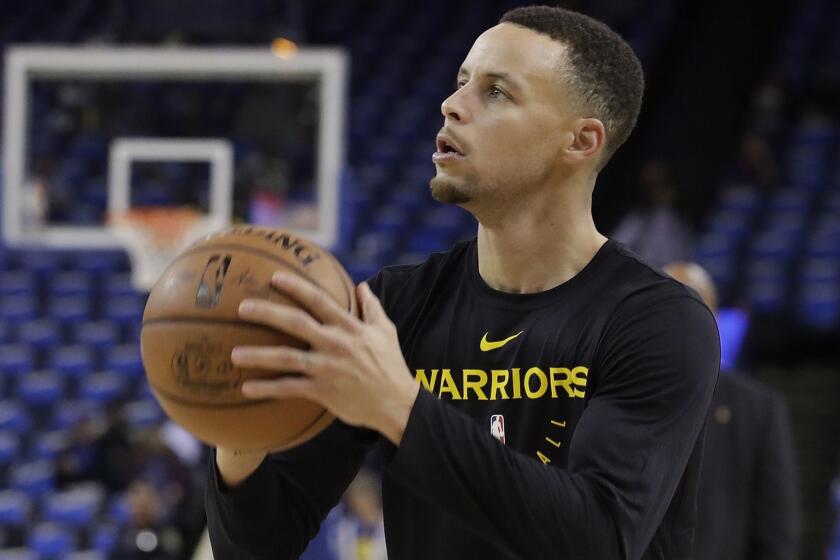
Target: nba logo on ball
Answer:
pixel 209 292
pixel 497 427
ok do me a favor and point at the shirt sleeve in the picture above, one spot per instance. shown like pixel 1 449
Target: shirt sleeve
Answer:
pixel 276 511
pixel 656 371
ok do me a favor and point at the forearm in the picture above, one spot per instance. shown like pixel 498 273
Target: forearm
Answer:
pixel 278 509
pixel 247 521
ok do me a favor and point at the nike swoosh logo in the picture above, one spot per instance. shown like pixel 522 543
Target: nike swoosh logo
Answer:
pixel 487 345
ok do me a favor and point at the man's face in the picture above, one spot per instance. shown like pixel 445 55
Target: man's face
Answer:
pixel 509 119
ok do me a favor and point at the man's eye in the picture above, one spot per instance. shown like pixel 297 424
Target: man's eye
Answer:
pixel 460 83
pixel 496 92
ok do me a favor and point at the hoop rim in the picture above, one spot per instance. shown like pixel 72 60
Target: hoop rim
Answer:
pixel 154 235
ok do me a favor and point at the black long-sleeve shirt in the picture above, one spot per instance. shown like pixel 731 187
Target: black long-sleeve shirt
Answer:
pixel 560 424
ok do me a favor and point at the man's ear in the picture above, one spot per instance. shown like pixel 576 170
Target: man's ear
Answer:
pixel 588 142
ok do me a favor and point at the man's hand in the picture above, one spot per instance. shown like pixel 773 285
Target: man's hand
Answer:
pixel 354 368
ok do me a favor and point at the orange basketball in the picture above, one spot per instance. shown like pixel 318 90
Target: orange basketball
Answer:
pixel 191 324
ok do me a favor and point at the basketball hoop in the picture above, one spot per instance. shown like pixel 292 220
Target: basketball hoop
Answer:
pixel 153 236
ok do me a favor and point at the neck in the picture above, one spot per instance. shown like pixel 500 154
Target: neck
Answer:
pixel 540 241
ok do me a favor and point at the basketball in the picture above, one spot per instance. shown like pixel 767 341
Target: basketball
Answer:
pixel 191 324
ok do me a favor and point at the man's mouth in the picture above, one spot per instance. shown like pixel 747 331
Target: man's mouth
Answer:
pixel 447 149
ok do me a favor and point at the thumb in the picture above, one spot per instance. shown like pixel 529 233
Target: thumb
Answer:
pixel 372 312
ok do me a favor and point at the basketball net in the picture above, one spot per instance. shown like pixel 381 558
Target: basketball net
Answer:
pixel 153 236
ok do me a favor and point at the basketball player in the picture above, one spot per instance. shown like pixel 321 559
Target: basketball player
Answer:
pixel 601 367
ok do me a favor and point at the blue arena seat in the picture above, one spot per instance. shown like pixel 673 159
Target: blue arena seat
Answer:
pixel 9 447
pixel 71 310
pixel 77 507
pixel 361 270
pixel 374 246
pixel 766 295
pixel 98 334
pixel 729 223
pixel 71 361
pixel 119 285
pixel 425 241
pixel 819 305
pixel 51 541
pixel 16 283
pixel 410 198
pixel 41 388
pixel 715 245
pixel 389 219
pixel 773 245
pixel 99 265
pixel 48 445
pixel 68 413
pixel 445 221
pixel 125 359
pixel 103 387
pixel 743 199
pixel 787 200
pixel 6 334
pixel 789 222
pixel 15 359
pixel 39 333
pixel 18 309
pixel 824 244
pixel 14 417
pixel 125 310
pixel 119 510
pixel 72 283
pixel 35 478
pixel 43 264
pixel 104 538
pixel 143 413
pixel 15 509
pixel 821 270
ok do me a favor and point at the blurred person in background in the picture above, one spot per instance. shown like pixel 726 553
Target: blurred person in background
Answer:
pixel 354 529
pixel 98 451
pixel 756 165
pixel 113 455
pixel 151 535
pixel 656 231
pixel 177 488
pixel 359 533
pixel 748 505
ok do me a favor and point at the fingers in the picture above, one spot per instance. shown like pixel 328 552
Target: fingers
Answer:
pixel 282 388
pixel 292 321
pixel 314 299
pixel 277 358
pixel 372 311
pixel 283 359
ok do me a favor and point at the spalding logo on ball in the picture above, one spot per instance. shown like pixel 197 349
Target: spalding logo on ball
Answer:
pixel 191 324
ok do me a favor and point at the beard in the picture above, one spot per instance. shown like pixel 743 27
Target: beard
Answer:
pixel 448 192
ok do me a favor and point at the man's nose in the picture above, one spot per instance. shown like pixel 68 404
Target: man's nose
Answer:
pixel 454 108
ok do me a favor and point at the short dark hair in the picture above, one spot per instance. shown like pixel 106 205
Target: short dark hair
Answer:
pixel 602 68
